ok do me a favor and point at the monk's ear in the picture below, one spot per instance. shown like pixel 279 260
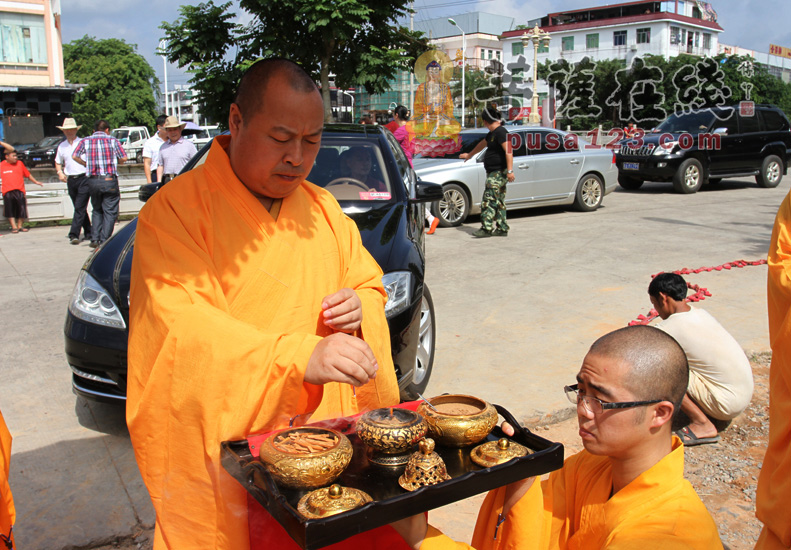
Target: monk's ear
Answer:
pixel 235 119
pixel 663 414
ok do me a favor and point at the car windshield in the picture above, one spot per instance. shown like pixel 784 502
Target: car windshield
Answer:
pixel 121 135
pixel 212 132
pixel 693 123
pixel 468 143
pixel 49 141
pixel 352 170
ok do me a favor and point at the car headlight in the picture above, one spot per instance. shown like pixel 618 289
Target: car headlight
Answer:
pixel 398 285
pixel 92 303
pixel 666 148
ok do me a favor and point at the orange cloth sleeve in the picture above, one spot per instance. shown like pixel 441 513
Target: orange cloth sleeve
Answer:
pixel 7 509
pixel 225 310
pixel 774 483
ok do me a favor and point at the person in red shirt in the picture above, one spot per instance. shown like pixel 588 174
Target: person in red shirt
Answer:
pixel 13 173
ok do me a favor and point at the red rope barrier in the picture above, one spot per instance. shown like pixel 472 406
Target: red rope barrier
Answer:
pixel 700 293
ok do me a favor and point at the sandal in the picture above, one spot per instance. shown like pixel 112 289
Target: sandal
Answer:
pixel 15 231
pixel 23 229
pixel 689 439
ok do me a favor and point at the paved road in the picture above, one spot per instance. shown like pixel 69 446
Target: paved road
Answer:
pixel 514 317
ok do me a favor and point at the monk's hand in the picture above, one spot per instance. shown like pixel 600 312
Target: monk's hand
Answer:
pixel 343 311
pixel 413 530
pixel 341 358
pixel 514 491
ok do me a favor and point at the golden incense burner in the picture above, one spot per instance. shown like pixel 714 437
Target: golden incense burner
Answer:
pixel 424 468
pixel 306 458
pixel 458 420
pixel 390 434
pixel 331 500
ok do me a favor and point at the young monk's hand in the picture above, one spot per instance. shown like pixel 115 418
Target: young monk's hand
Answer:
pixel 343 311
pixel 341 358
pixel 412 530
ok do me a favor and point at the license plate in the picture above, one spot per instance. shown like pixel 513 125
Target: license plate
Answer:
pixel 631 165
pixel 36 159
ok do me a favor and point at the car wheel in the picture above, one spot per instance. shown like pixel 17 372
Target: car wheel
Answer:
pixel 629 183
pixel 689 177
pixel 590 192
pixel 714 181
pixel 454 206
pixel 424 359
pixel 771 172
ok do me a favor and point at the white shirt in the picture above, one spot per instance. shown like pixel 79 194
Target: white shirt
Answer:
pixel 63 157
pixel 151 150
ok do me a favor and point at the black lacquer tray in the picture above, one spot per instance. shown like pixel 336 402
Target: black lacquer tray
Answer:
pixel 390 501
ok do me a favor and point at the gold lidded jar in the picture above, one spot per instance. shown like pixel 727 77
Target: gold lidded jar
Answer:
pixel 328 501
pixel 390 433
pixel 497 452
pixel 459 420
pixel 305 457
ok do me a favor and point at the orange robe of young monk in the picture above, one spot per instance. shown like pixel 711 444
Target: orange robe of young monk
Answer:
pixel 774 483
pixel 225 312
pixel 573 510
pixel 7 509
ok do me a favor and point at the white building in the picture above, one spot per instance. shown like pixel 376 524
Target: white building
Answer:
pixel 182 105
pixel 776 65
pixel 620 31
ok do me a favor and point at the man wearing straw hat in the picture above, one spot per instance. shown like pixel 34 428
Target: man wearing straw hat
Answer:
pixel 176 152
pixel 73 175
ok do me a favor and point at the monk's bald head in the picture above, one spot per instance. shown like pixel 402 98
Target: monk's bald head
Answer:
pixel 657 366
pixel 252 87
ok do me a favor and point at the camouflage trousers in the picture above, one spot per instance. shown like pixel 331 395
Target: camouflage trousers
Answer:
pixel 493 202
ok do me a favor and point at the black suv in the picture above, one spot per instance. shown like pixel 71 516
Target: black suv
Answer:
pixel 390 221
pixel 708 145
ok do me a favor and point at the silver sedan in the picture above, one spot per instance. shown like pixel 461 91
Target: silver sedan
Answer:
pixel 552 167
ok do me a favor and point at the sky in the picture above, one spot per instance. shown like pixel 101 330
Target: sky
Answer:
pixel 752 25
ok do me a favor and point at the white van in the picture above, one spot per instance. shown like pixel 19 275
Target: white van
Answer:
pixel 132 139
pixel 204 136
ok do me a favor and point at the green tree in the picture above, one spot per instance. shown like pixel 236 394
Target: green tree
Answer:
pixel 357 41
pixel 480 88
pixel 118 83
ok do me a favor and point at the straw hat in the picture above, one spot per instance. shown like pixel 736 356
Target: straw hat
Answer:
pixel 173 122
pixel 69 124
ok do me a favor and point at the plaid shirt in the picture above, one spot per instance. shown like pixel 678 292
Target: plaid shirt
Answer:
pixel 100 152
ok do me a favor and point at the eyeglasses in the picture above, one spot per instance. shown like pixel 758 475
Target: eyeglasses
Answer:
pixel 597 406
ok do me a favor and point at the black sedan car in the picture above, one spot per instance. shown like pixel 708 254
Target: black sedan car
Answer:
pixel 42 152
pixel 388 207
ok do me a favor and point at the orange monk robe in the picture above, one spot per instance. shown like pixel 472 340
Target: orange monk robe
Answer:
pixel 7 510
pixel 225 312
pixel 573 510
pixel 774 483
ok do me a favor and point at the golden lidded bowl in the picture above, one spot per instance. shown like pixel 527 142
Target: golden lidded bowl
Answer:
pixel 459 420
pixel 391 431
pixel 493 453
pixel 306 458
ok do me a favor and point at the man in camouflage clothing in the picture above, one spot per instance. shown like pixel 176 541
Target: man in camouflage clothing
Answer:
pixel 499 165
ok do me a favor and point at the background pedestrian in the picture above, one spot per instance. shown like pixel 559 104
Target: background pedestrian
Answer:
pixel 14 173
pixel 73 175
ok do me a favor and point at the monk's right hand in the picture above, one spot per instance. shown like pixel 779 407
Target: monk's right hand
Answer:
pixel 341 358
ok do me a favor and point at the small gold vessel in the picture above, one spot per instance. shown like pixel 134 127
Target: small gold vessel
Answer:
pixel 458 420
pixel 390 433
pixel 497 452
pixel 306 458
pixel 331 500
pixel 424 468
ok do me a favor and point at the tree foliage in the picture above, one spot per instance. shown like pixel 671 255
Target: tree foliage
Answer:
pixel 653 87
pixel 118 83
pixel 357 41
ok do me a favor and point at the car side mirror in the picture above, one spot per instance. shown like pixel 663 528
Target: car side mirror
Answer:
pixel 147 191
pixel 721 131
pixel 426 191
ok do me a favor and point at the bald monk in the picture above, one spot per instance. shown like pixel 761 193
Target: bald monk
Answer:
pixel 774 483
pixel 7 510
pixel 626 490
pixel 253 305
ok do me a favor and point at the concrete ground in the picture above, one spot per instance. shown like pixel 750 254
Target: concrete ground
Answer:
pixel 514 318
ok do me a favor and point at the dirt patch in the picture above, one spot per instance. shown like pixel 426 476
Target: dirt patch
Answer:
pixel 725 475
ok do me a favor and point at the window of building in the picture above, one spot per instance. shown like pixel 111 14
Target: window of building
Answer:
pixel 483 53
pixel 675 35
pixel 619 38
pixel 497 55
pixel 568 43
pixel 490 54
pixel 543 47
pixel 517 74
pixel 683 37
pixel 644 36
pixel 697 39
pixel 592 41
pixel 23 38
pixel 517 48
pixel 706 41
